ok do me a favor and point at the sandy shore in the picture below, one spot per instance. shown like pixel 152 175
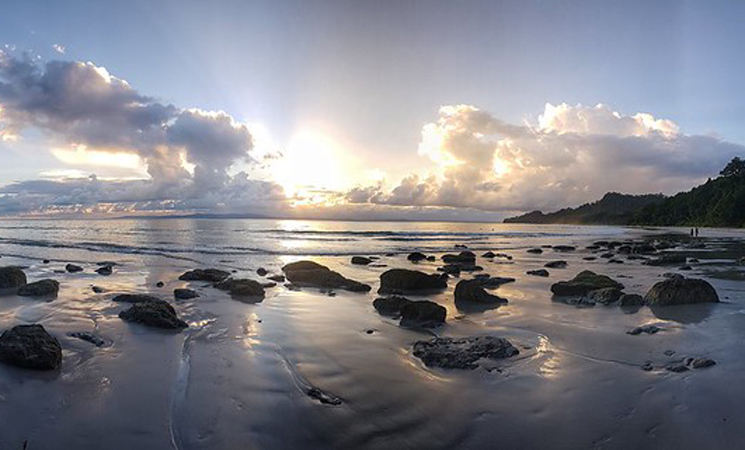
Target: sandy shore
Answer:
pixel 238 376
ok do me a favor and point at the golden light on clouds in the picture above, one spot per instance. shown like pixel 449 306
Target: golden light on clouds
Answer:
pixel 81 156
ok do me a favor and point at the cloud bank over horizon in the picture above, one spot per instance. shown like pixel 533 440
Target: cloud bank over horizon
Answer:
pixel 473 160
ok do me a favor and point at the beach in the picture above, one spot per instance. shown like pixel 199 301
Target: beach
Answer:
pixel 241 374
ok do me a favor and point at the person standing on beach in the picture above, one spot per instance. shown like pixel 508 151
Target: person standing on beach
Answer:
pixel 691 232
pixel 696 231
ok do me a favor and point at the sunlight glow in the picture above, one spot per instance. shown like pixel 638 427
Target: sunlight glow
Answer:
pixel 81 155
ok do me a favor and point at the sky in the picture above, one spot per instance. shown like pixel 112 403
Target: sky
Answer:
pixel 362 109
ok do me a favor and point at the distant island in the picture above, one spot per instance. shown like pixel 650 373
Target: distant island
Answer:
pixel 720 202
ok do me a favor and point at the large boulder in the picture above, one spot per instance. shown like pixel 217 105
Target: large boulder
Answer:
pixel 41 288
pixel 11 277
pixel 462 353
pixel 30 347
pixel 605 296
pixel 402 281
pixel 390 306
pixel 312 274
pixel 155 313
pixel 472 291
pixel 242 288
pixel 422 313
pixel 585 282
pixel 679 290
pixel 211 275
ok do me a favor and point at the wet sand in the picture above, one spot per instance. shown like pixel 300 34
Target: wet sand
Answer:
pixel 238 376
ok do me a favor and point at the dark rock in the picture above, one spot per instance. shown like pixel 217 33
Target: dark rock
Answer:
pixel 489 255
pixel 592 247
pixel 88 337
pixel 589 258
pixel 277 278
pixel 490 282
pixel 390 306
pixel 184 294
pixel 666 260
pixel 681 291
pixel 535 250
pixel 402 281
pixel 104 270
pixel 159 284
pixel 242 288
pixel 422 314
pixel 701 363
pixel 685 268
pixel 631 300
pixel 462 353
pixel 472 291
pixel 648 329
pixel 564 248
pixel 416 257
pixel 460 246
pixel 464 258
pixel 503 255
pixel 607 255
pixel 72 268
pixel 583 283
pixel 323 397
pixel 457 268
pixel 605 296
pixel 135 298
pixel 538 272
pixel 556 264
pixel 98 289
pixel 647 367
pixel 644 248
pixel 615 261
pixel 41 288
pixel 211 275
pixel 155 313
pixel 261 272
pixel 30 347
pixel 625 249
pixel 11 277
pixel 361 260
pixel 311 274
pixel 431 258
pixel 677 367
pixel 46 261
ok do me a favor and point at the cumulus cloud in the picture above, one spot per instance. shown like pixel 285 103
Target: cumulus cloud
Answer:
pixel 573 154
pixel 61 49
pixel 187 152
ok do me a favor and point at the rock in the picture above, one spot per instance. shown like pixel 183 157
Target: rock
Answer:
pixel 677 367
pixel 242 288
pixel 583 283
pixel 88 337
pixel 277 278
pixel 489 282
pixel 422 314
pixel 503 255
pixel 11 277
pixel 647 367
pixel 323 397
pixel 607 255
pixel 46 261
pixel 457 268
pixel 462 353
pixel 135 298
pixel 589 258
pixel 631 300
pixel 450 269
pixel 72 268
pixel 416 257
pixel 311 274
pixel 471 291
pixel 155 313
pixel 30 347
pixel 104 270
pixel 41 288
pixel 489 255
pixel 401 281
pixel 184 294
pixel 535 250
pixel 700 363
pixel 465 258
pixel 644 248
pixel 685 268
pixel 615 261
pixel 605 296
pixel 98 289
pixel 681 291
pixel 538 272
pixel 431 258
pixel 211 275
pixel 556 264
pixel 390 306
pixel 742 261
pixel 564 248
pixel 361 260
pixel 261 272
pixel 625 249
pixel 159 284
pixel 666 260
pixel 648 329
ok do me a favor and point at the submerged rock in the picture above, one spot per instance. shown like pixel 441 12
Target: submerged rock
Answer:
pixel 88 337
pixel 159 284
pixel 564 248
pixel 72 268
pixel 401 281
pixel 41 288
pixel 648 329
pixel 11 277
pixel 184 294
pixel 535 251
pixel 155 313
pixel 700 363
pixel 211 275
pixel 312 274
pixel 416 256
pixel 242 288
pixel 361 260
pixel 422 313
pixel 556 264
pixel 30 347
pixel 98 289
pixel 669 259
pixel 678 290
pixel 538 272
pixel 472 291
pixel 462 353
pixel 582 284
